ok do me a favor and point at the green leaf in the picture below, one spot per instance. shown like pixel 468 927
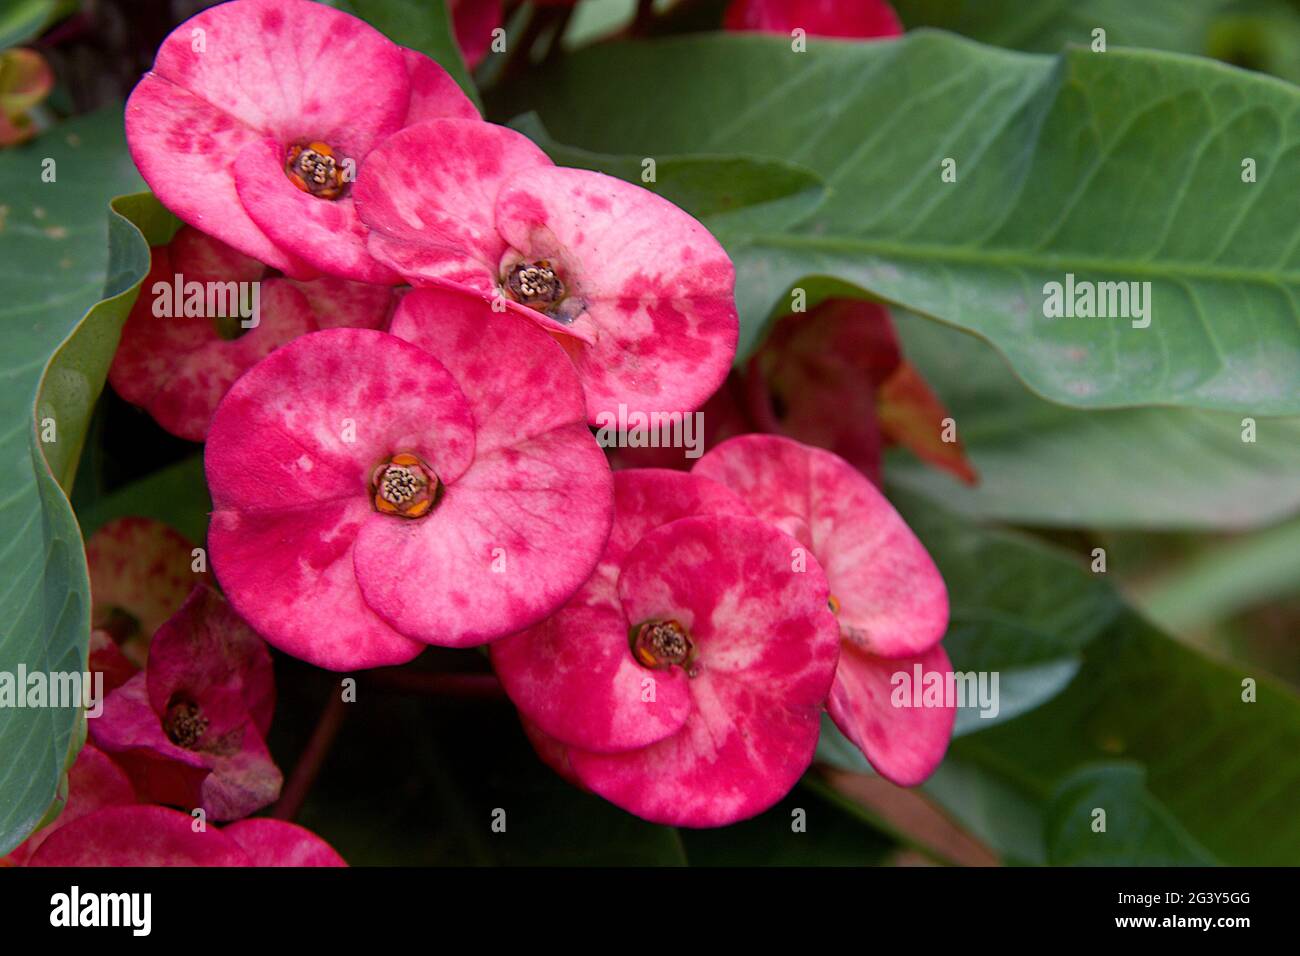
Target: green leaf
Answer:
pixel 1260 34
pixel 176 495
pixel 1177 25
pixel 726 193
pixel 1044 464
pixel 1225 768
pixel 423 25
pixel 1116 167
pixel 1227 578
pixel 55 242
pixel 1139 831
pixel 23 20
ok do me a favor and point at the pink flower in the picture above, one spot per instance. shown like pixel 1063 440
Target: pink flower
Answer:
pixel 93 782
pixel 835 377
pixel 891 603
pixel 474 21
pixel 640 292
pixel 828 18
pixel 372 497
pixel 257 114
pixel 685 680
pixel 191 729
pixel 141 572
pixel 279 843
pixel 158 836
pixel 177 359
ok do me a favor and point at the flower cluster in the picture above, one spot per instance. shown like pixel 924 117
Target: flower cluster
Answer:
pixel 189 695
pixel 394 467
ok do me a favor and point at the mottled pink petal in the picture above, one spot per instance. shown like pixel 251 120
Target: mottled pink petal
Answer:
pixel 138 836
pixel 434 94
pixel 651 289
pixel 206 658
pixel 904 744
pixel 179 368
pixel 271 72
pixel 141 568
pixel 289 461
pixel 303 428
pixel 132 733
pixel 279 843
pixel 185 149
pixel 573 676
pixel 205 648
pixel 893 602
pixel 428 193
pixel 203 258
pixel 520 531
pixel 324 233
pixel 93 782
pixel 766 646
pixel 829 18
pixel 282 67
pixel 291 574
pixel 338 303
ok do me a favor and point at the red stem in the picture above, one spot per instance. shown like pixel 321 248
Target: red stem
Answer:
pixel 313 756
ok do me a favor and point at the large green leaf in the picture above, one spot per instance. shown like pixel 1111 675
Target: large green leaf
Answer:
pixel 1045 464
pixel 1262 34
pixel 1116 167
pixel 1138 830
pixel 63 253
pixel 1225 768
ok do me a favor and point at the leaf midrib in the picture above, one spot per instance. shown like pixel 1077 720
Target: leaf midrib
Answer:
pixel 1018 260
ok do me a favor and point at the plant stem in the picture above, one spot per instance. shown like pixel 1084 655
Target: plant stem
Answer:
pixel 313 756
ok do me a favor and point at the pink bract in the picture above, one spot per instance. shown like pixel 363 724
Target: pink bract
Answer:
pixel 703 739
pixel 830 18
pixel 892 602
pixel 835 377
pixel 474 21
pixel 93 782
pixel 520 498
pixel 643 303
pixel 159 836
pixel 190 730
pixel 141 572
pixel 236 87
pixel 179 366
pixel 278 843
pixel 139 836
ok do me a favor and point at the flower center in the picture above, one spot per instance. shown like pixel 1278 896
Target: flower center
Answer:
pixel 535 284
pixel 404 485
pixel 833 603
pixel 313 169
pixel 661 644
pixel 185 724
